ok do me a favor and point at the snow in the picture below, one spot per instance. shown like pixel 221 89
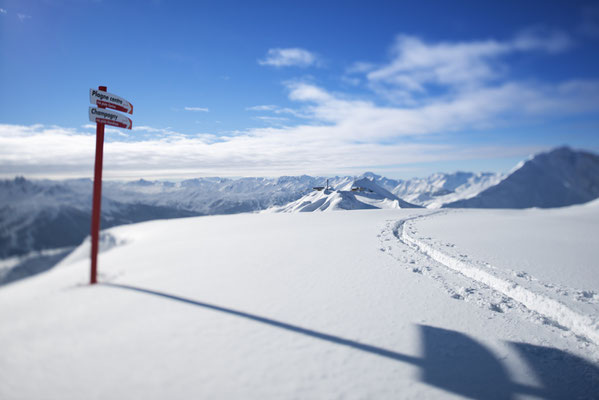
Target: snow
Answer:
pixel 547 260
pixel 441 188
pixel 558 178
pixel 369 196
pixel 287 305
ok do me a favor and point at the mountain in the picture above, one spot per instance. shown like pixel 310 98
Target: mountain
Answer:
pixel 557 178
pixel 45 214
pixel 440 188
pixel 360 194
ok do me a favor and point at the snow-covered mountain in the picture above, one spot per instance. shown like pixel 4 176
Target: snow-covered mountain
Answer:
pixel 360 194
pixel 557 178
pixel 439 188
pixel 37 215
pixel 45 214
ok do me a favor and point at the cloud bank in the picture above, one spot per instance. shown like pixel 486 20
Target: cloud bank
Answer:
pixel 423 92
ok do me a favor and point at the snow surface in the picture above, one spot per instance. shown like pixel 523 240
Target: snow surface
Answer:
pixel 300 305
pixel 546 260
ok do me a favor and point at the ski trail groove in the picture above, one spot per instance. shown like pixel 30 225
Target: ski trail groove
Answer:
pixel 581 325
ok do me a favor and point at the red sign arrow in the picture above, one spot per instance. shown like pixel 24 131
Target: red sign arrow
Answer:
pixel 107 117
pixel 108 100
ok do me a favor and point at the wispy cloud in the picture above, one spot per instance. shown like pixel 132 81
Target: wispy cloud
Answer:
pixel 448 88
pixel 23 17
pixel 590 21
pixel 289 57
pixel 416 67
pixel 267 107
pixel 2 11
pixel 200 109
pixel 277 110
pixel 275 121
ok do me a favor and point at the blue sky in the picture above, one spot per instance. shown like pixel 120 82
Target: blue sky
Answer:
pixel 278 88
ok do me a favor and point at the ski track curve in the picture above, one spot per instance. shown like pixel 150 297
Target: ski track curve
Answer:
pixel 513 294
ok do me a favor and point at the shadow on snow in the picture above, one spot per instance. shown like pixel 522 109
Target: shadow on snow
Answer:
pixel 456 363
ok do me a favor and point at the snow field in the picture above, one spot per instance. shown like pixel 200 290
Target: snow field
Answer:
pixel 583 325
pixel 537 256
pixel 302 305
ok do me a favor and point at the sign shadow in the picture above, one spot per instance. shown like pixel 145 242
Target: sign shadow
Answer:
pixel 455 362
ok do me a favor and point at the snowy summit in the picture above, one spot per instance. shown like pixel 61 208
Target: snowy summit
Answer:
pixel 360 194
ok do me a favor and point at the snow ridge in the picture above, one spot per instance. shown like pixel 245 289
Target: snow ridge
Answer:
pixel 582 325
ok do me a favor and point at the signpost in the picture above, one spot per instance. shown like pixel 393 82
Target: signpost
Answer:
pixel 104 99
pixel 107 117
pixel 102 117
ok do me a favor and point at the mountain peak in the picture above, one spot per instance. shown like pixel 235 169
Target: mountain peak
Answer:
pixel 363 193
pixel 556 178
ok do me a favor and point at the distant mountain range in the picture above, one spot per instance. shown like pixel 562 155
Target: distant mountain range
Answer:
pixel 558 178
pixel 439 188
pixel 45 214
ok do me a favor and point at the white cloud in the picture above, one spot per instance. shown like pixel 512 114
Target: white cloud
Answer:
pixel 417 66
pixel 40 151
pixel 201 109
pixel 272 120
pixel 551 41
pixel 2 11
pixel 23 17
pixel 343 136
pixel 338 133
pixel 277 110
pixel 289 57
pixel 355 119
pixel 149 129
pixel 267 107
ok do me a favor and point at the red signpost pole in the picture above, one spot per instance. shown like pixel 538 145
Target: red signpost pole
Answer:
pixel 97 197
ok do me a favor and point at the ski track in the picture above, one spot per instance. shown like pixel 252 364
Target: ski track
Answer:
pixel 463 279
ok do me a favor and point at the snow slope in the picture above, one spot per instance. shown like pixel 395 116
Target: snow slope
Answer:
pixel 261 306
pixel 557 178
pixel 370 196
pixel 546 260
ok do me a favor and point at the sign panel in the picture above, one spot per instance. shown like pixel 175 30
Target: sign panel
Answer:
pixel 109 100
pixel 107 117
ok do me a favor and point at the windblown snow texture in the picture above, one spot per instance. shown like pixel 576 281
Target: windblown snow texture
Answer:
pixel 558 178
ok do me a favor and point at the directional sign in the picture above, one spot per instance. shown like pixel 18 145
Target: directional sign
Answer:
pixel 109 100
pixel 107 117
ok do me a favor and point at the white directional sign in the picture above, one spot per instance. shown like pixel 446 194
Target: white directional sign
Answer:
pixel 107 117
pixel 109 100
